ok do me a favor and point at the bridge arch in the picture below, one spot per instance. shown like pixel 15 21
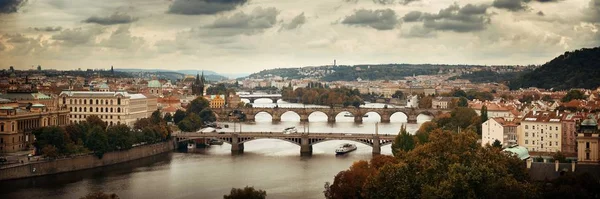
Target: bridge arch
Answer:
pixel 263 118
pixel 372 116
pixel 320 116
pixel 295 141
pixel 262 100
pixel 289 114
pixel 399 116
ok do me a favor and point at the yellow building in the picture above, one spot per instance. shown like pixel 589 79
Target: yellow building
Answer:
pixel 587 141
pixel 215 101
pixel 17 123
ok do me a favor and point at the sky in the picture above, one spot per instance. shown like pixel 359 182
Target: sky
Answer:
pixel 245 36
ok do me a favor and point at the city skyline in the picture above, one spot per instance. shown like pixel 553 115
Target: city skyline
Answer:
pixel 244 36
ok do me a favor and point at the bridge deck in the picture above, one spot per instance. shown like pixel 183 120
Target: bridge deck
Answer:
pixel 283 135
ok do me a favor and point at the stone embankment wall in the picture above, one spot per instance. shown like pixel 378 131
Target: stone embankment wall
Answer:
pixel 83 162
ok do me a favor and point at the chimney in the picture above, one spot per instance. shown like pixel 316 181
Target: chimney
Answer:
pixel 556 165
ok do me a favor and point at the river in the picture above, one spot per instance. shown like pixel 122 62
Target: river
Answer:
pixel 272 165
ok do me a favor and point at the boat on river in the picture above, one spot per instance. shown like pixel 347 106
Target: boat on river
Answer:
pixel 215 141
pixel 345 148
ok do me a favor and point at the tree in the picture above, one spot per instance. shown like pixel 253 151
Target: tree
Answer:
pixel 143 123
pixel 425 102
pixel 463 102
pixel 97 141
pixel 450 165
pixel 156 117
pixel 547 98
pixel 560 157
pixel 190 123
pixel 120 137
pixel 497 144
pixel 39 68
pixel 100 195
pixel 240 104
pixel 458 93
pixel 483 118
pixel 168 117
pixel 424 131
pixel 403 141
pixel 51 136
pixel 349 183
pixel 50 151
pixel 197 105
pixel 178 116
pixel 207 116
pixel 573 95
pixel 246 193
pixel 93 121
pixel 398 94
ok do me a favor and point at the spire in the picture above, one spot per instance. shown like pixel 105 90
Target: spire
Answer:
pixel 202 78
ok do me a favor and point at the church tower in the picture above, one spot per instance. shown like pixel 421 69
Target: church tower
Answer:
pixel 198 86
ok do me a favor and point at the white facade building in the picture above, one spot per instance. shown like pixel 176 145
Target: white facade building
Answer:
pixel 112 107
pixel 541 131
pixel 498 129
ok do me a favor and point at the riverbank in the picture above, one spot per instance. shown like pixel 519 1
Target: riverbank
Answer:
pixel 83 162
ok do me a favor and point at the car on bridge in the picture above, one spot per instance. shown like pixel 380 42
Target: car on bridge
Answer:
pixel 290 130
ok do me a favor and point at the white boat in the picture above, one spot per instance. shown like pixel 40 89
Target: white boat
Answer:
pixel 290 130
pixel 348 115
pixel 191 146
pixel 345 148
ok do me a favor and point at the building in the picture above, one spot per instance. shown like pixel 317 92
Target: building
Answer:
pixel 112 107
pixel 18 122
pixel 541 131
pixel 498 129
pixel 30 97
pixel 587 141
pixel 155 88
pixel 442 102
pixel 233 100
pixel 198 86
pixel 413 101
pixel 216 101
pixel 569 133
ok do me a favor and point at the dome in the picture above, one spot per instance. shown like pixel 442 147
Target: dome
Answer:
pixel 103 86
pixel 520 151
pixel 154 84
pixel 590 121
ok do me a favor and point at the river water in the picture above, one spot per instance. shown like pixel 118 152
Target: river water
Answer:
pixel 272 165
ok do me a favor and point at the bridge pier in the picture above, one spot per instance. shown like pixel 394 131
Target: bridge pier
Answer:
pixel 376 145
pixel 331 119
pixel 276 118
pixel 358 118
pixel 412 119
pixel 385 118
pixel 236 147
pixel 304 118
pixel 251 100
pixel 305 147
pixel 250 117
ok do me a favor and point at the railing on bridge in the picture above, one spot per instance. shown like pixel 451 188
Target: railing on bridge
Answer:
pixel 304 140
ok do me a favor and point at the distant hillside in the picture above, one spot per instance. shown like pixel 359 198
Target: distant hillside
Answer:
pixel 365 72
pixel 174 75
pixel 577 69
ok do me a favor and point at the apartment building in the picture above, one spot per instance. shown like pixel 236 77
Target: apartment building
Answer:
pixel 541 131
pixel 498 129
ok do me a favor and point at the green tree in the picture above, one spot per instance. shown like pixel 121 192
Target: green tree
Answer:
pixel 246 193
pixel 497 144
pixel 190 123
pixel 168 117
pixel 50 151
pixel 482 119
pixel 207 116
pixel 197 105
pixel 52 135
pixel 463 102
pixel 156 117
pixel 93 121
pixel 178 116
pixel 425 102
pixel 398 94
pixel 560 157
pixel 97 141
pixel 349 183
pixel 120 137
pixel 403 141
pixel 573 95
pixel 100 195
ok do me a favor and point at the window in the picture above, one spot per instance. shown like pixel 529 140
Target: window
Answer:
pixel 556 143
pixel 64 100
pixel 587 145
pixel 118 101
pixel 532 134
pixel 84 101
pixel 1 140
pixel 533 142
pixel 70 101
pixel 96 109
pixel 96 101
pixel 526 127
pixel 542 131
pixel 557 128
pixel 111 109
pixel 526 134
pixel 533 127
pixel 119 109
pixel 2 127
pixel 550 143
pixel 587 156
pixel 542 138
pixel 91 109
pixel 556 134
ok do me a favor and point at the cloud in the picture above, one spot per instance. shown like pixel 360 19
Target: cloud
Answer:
pixel 419 32
pixel 540 13
pixel 512 5
pixel 10 6
pixel 592 13
pixel 241 23
pixel 48 29
pixel 22 45
pixel 122 39
pixel 469 18
pixel 378 19
pixel 77 36
pixel 295 23
pixel 412 16
pixel 389 2
pixel 203 7
pixel 115 18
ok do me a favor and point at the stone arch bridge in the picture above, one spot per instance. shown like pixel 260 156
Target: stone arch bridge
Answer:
pixel 224 114
pixel 304 140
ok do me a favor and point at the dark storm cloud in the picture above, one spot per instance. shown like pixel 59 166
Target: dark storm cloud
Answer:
pixel 115 18
pixel 540 13
pixel 419 32
pixel 412 16
pixel 242 23
pixel 203 7
pixel 378 19
pixel 48 29
pixel 469 18
pixel 512 5
pixel 593 12
pixel 295 23
pixel 10 6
